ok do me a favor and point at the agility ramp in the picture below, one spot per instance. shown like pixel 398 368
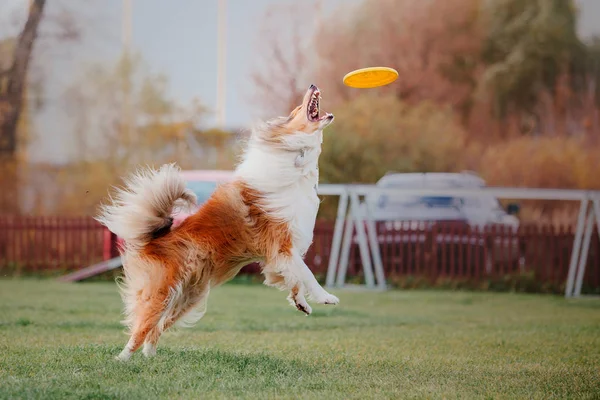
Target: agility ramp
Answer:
pixel 92 270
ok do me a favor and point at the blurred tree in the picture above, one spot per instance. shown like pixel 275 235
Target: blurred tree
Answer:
pixel 376 134
pixel 13 83
pixel 528 45
pixel 589 60
pixel 124 136
pixel 543 162
pixel 21 92
pixel 13 80
pixel 218 146
pixel 584 99
pixel 111 139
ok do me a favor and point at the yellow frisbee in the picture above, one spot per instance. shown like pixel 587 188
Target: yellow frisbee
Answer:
pixel 370 77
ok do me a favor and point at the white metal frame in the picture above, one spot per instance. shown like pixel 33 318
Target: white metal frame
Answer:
pixel 351 217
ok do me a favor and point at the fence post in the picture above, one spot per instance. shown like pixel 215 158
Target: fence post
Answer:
pixel 434 269
pixel 576 247
pixel 337 239
pixel 584 252
pixel 362 241
pixel 346 243
pixel 106 244
pixel 375 250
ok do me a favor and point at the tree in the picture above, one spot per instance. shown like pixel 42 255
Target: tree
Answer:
pixel 376 134
pixel 528 46
pixel 13 81
pixel 123 118
pixel 20 92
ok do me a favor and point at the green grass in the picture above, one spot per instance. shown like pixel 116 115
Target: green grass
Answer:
pixel 59 341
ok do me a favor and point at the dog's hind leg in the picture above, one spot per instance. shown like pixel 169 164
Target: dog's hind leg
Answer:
pixel 189 310
pixel 149 311
pixel 145 323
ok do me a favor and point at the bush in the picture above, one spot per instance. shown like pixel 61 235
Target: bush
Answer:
pixel 374 135
pixel 543 162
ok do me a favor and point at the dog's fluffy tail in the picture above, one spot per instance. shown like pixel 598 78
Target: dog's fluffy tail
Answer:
pixel 142 209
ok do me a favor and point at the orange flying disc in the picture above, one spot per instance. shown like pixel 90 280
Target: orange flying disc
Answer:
pixel 370 77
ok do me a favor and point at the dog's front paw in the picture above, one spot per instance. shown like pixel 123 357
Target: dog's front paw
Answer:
pixel 298 301
pixel 328 298
pixel 303 306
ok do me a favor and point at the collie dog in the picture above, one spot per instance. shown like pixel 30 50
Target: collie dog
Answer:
pixel 266 215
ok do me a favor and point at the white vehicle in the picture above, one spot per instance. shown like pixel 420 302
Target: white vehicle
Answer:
pixel 402 213
pixel 476 210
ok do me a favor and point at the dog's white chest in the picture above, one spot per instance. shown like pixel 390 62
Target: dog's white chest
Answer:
pixel 305 213
pixel 305 208
pixel 291 181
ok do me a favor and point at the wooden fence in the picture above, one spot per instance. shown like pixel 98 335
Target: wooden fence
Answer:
pixel 457 252
pixel 51 244
pixel 451 251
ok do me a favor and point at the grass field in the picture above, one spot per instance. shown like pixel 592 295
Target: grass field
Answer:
pixel 59 341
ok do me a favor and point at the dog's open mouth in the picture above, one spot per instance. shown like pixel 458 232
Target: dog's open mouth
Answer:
pixel 313 105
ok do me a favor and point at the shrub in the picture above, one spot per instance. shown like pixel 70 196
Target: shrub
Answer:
pixel 374 135
pixel 543 162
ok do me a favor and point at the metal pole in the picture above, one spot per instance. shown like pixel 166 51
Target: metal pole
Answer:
pixel 576 248
pixel 126 24
pixel 375 250
pixel 346 243
pixel 221 61
pixel 586 243
pixel 337 239
pixel 596 204
pixel 126 35
pixel 584 252
pixel 362 241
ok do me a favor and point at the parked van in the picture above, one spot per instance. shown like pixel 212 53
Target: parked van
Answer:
pixel 455 218
pixel 476 210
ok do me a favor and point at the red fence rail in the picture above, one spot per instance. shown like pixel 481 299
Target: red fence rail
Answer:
pixel 47 244
pixel 456 251
pixel 451 251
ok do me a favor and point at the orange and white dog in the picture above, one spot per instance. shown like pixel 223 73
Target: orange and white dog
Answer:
pixel 266 215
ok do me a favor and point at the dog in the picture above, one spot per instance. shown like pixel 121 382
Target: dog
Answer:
pixel 266 215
